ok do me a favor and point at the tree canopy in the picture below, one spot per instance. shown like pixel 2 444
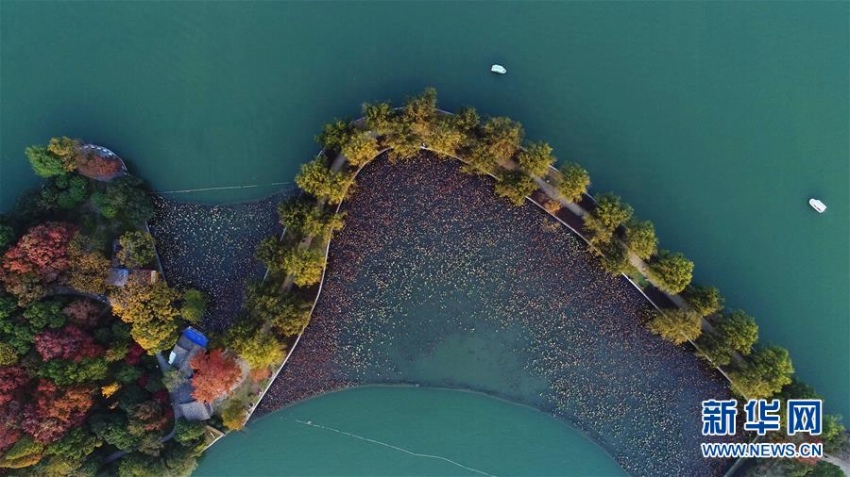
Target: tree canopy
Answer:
pixel 214 375
pixel 515 186
pixel 319 181
pixel 303 219
pixel 671 272
pixel 764 374
pixel 641 239
pixel 573 182
pixel 676 326
pixel 734 332
pixel 610 213
pixel 536 158
pixel 704 300
pixel 138 249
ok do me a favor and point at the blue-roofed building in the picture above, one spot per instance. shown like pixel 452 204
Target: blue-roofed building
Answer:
pixel 195 336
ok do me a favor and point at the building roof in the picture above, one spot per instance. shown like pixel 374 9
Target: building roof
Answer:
pixel 118 276
pixel 195 336
pixel 195 411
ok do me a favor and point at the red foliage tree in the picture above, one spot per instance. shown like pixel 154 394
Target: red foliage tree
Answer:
pixel 53 410
pixel 12 381
pixel 82 313
pixel 97 167
pixel 10 425
pixel 70 343
pixel 134 354
pixel 43 250
pixel 214 375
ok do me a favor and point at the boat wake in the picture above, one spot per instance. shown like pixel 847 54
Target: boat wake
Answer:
pixel 373 441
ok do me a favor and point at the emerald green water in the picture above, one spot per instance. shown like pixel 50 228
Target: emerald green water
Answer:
pixel 716 120
pixel 482 434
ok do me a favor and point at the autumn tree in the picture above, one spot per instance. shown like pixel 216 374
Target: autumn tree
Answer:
pixel 304 219
pixel 447 137
pixel 380 117
pixel 610 212
pixel 233 416
pixel 88 269
pixel 763 374
pixel 43 250
pixel 536 158
pixel 420 112
pixel 214 374
pixel 671 272
pixel 82 312
pixel 150 310
pixel 573 182
pixel 138 249
pixel 304 264
pixel 53 411
pixel 258 348
pixel 515 186
pixel 335 134
pixel 676 326
pixel 705 300
pixel 641 239
pixel 66 149
pixel 360 148
pixel 318 180
pixel 68 343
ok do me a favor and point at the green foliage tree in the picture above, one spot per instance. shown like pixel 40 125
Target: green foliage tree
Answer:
pixel 151 312
pixel 189 433
pixel 676 326
pixel 45 314
pixel 764 374
pixel 126 199
pixel 641 239
pixel 515 186
pixel 573 182
pixel 334 135
pixel 614 258
pixel 44 163
pixel 138 249
pixel 536 158
pixel 7 236
pixel 258 348
pixel 360 148
pixel 380 117
pixel 304 219
pixel 287 313
pixel 705 300
pixel 194 306
pixel 610 213
pixel 233 416
pixel 319 181
pixel 671 272
pixel 403 141
pixel 734 332
pixel 66 191
pixel 499 139
pixel 66 373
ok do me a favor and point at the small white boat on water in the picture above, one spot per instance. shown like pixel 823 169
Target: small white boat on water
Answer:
pixel 816 204
pixel 498 69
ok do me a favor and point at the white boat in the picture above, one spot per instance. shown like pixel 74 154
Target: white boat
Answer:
pixel 817 205
pixel 498 69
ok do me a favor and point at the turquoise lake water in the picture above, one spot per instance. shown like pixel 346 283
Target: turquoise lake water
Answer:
pixel 716 120
pixel 479 434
